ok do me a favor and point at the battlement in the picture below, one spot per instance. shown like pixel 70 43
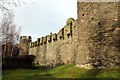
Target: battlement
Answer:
pixel 61 34
pixel 25 39
pixel 49 38
pixel 38 41
pixel 54 37
pixel 64 33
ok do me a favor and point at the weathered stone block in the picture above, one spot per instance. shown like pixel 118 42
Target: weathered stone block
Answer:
pixel 41 40
pixel 61 34
pixel 35 43
pixel 30 44
pixel 69 21
pixel 38 42
pixel 49 39
pixel 45 40
pixel 54 37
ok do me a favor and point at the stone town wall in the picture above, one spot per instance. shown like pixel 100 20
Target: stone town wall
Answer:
pixel 57 48
pixel 91 40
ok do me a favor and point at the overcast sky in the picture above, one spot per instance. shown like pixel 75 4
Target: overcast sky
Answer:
pixel 44 16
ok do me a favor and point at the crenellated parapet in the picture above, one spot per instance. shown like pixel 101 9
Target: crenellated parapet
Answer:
pixel 64 33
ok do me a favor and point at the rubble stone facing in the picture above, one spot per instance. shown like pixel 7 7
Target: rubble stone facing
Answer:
pixel 91 41
pixel 98 34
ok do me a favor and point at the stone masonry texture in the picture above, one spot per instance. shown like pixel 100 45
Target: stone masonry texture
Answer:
pixel 92 40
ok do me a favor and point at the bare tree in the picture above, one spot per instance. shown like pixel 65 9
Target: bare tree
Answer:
pixel 9 36
pixel 8 29
pixel 8 32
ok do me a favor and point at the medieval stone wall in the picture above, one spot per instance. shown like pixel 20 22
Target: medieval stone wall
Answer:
pixel 91 40
pixel 60 48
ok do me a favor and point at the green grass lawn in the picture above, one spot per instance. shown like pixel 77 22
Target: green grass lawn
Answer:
pixel 67 71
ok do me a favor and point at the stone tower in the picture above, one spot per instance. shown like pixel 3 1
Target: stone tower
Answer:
pixel 23 46
pixel 98 33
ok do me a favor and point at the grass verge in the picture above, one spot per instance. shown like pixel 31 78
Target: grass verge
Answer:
pixel 66 71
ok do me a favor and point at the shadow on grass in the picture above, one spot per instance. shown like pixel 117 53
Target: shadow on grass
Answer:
pixel 92 73
pixel 34 73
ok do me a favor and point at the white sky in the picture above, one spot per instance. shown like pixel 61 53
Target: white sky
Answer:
pixel 44 16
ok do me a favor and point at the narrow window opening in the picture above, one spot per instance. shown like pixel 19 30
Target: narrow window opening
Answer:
pixel 83 14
